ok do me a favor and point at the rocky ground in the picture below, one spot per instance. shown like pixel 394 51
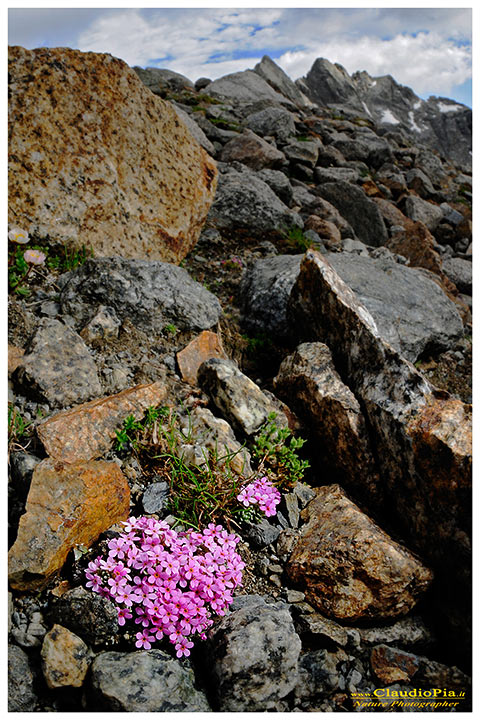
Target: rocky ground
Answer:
pixel 329 284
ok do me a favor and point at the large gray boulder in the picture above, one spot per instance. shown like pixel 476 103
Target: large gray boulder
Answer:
pixel 252 150
pixel 254 655
pixel 161 80
pixel 411 312
pixel 280 82
pixel 145 681
pixel 358 209
pixel 245 88
pixel 149 294
pixel 275 121
pixel 246 204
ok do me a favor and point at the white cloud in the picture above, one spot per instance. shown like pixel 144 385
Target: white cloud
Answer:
pixel 428 49
pixel 426 63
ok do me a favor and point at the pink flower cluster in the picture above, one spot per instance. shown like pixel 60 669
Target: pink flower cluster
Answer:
pixel 263 492
pixel 170 582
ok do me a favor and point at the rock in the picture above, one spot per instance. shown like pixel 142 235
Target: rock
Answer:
pixel 273 121
pixel 58 366
pixel 372 150
pixel 90 148
pixel 420 183
pixel 459 272
pixel 86 614
pixel 202 83
pixel 361 212
pixel 319 675
pixel 29 629
pixel 421 436
pixel 254 658
pixel 280 81
pixel 67 505
pixel 310 385
pixel 15 358
pixel 304 152
pixel 160 80
pixel 391 665
pixel 203 347
pixel 423 211
pixel 213 435
pixel 103 326
pixel 238 398
pixel 406 632
pixel 195 130
pixel 155 497
pixel 323 175
pixel 322 628
pixel 245 88
pixel 261 534
pixel 150 294
pixel 65 658
pixel 450 215
pixel 326 230
pixel 244 204
pixel 22 466
pixel 86 431
pixel 349 567
pixel 144 681
pixel 21 693
pixel 253 151
pixel 410 311
pixel 279 183
pixel 264 292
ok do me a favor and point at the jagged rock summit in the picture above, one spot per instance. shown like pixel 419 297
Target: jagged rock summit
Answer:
pixel 440 123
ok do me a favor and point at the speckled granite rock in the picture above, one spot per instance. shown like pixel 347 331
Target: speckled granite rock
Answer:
pixel 309 383
pixel 97 160
pixel 21 694
pixel 254 657
pixel 348 567
pixel 58 366
pixel 145 681
pixel 150 294
pixel 67 505
pixel 86 431
pixel 236 396
pixel 65 658
pixel 88 615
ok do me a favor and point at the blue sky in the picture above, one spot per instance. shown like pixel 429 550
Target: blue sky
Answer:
pixel 428 49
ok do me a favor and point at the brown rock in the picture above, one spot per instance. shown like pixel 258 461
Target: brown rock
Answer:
pixel 327 231
pixel 15 358
pixel 86 431
pixel 416 243
pixel 421 436
pixel 204 346
pixel 67 505
pixel 308 382
pixel 65 658
pixel 96 159
pixel 349 567
pixel 253 151
pixel 391 665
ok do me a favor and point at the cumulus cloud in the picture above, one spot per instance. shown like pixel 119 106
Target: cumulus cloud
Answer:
pixel 427 63
pixel 428 49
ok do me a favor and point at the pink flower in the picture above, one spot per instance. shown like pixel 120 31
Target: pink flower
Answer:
pixel 35 257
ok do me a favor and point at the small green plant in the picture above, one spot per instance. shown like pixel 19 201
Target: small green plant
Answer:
pixel 67 259
pixel 257 344
pixel 170 329
pixel 140 434
pixel 19 429
pixel 296 239
pixel 225 124
pixel 276 449
pixel 303 138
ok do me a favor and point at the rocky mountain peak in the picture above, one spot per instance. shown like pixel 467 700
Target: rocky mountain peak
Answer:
pixel 443 125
